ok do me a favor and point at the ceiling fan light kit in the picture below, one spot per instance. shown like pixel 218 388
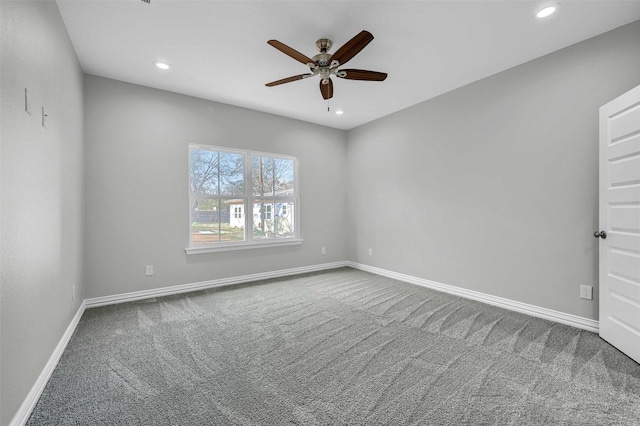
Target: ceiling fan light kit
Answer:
pixel 326 65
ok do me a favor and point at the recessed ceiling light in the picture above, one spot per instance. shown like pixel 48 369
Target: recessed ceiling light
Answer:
pixel 546 12
pixel 161 65
pixel 339 112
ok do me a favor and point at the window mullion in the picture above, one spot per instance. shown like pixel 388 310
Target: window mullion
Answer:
pixel 219 207
pixel 248 190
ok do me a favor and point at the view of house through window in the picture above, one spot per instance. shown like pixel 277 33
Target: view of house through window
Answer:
pixel 233 191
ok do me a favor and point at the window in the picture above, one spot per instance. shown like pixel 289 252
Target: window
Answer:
pixel 237 212
pixel 240 199
pixel 267 212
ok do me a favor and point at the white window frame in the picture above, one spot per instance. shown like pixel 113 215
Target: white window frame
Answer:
pixel 249 200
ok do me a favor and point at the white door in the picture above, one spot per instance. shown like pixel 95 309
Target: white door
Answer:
pixel 620 221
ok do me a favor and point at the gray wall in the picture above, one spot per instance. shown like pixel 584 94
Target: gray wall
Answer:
pixel 137 204
pixel 41 194
pixel 494 187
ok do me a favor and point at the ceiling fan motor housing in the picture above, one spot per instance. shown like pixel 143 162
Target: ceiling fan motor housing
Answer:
pixel 322 59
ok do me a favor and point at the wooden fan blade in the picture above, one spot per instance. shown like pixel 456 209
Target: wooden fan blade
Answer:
pixel 364 75
pixel 352 47
pixel 290 52
pixel 326 89
pixel 288 80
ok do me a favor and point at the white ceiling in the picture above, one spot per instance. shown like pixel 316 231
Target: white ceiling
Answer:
pixel 218 51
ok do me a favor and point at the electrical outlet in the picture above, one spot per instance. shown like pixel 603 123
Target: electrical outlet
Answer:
pixel 370 252
pixel 149 270
pixel 73 292
pixel 324 250
pixel 586 292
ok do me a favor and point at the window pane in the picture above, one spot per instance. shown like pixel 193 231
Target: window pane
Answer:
pixel 233 228
pixel 205 220
pixel 204 171
pixel 231 174
pixel 284 219
pixel 263 220
pixel 217 221
pixel 283 176
pixel 273 219
pixel 272 176
pixel 215 172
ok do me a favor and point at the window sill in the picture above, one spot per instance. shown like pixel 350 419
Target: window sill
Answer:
pixel 244 246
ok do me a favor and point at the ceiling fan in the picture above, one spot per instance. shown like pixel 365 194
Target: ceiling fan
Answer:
pixel 325 64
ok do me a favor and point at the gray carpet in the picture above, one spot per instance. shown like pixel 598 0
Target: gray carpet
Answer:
pixel 343 347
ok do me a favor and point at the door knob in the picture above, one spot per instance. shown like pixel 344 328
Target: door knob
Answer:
pixel 600 234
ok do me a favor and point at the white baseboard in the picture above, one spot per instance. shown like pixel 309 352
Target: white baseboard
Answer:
pixel 185 288
pixel 512 305
pixel 22 416
pixel 30 401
